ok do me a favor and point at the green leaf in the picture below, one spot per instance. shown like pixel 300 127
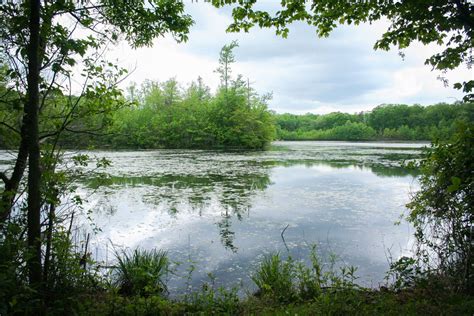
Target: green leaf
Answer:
pixel 456 182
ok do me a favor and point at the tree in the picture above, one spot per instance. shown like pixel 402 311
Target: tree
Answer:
pixel 448 23
pixel 198 91
pixel 240 116
pixel 41 42
pixel 171 93
pixel 226 58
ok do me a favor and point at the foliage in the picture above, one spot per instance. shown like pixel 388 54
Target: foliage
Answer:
pixel 442 211
pixel 446 23
pixel 12 276
pixel 110 304
pixel 315 290
pixel 226 58
pixel 66 265
pixel 141 272
pixel 391 122
pixel 67 275
pixel 368 302
pixel 211 301
pixel 74 35
pixel 343 302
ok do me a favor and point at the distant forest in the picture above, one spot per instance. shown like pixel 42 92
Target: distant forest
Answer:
pixel 385 122
pixel 163 115
pixel 166 115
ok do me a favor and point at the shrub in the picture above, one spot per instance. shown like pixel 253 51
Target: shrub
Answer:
pixel 442 211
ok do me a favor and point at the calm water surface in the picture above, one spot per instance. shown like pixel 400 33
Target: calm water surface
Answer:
pixel 220 212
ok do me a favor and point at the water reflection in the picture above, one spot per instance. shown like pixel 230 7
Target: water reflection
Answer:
pixel 376 168
pixel 230 194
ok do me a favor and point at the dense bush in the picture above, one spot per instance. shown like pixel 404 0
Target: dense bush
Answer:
pixel 442 211
pixel 66 276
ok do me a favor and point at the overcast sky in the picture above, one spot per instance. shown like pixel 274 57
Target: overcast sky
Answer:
pixel 305 73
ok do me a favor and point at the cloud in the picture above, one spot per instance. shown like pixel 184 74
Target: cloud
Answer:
pixel 305 73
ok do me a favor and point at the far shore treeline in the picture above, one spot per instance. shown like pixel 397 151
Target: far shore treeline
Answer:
pixel 384 122
pixel 166 115
pixel 163 115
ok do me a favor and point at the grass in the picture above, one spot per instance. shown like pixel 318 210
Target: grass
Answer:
pixel 141 272
pixel 285 287
pixel 274 278
pixel 291 281
pixel 342 302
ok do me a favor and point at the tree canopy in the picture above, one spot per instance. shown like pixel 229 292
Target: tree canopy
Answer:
pixel 448 23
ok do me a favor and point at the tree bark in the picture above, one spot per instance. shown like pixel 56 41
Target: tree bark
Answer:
pixel 32 133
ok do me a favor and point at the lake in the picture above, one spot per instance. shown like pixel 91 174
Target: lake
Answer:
pixel 218 213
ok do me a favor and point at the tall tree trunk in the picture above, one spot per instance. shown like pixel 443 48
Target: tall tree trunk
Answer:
pixel 32 131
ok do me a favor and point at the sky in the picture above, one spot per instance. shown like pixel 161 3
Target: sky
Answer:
pixel 306 74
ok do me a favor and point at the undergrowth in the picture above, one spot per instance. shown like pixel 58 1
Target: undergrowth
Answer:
pixel 284 287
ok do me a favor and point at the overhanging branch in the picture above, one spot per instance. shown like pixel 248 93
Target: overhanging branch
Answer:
pixel 10 127
pixel 4 178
